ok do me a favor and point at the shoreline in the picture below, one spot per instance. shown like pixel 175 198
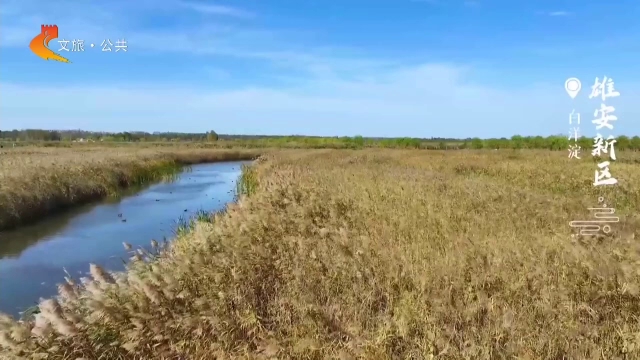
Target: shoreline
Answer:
pixel 55 190
pixel 245 185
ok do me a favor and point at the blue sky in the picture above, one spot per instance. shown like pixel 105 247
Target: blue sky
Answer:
pixel 420 68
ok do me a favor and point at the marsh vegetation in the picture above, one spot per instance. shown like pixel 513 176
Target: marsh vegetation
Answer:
pixel 372 254
pixel 35 181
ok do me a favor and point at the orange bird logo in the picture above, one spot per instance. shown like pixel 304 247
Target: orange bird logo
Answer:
pixel 40 44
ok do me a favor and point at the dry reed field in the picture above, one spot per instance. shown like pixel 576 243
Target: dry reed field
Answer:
pixel 374 254
pixel 38 181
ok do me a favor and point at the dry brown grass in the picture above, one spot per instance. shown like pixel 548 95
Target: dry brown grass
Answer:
pixel 37 181
pixel 373 255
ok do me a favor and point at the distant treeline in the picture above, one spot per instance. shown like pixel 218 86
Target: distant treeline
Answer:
pixel 299 141
pixel 70 135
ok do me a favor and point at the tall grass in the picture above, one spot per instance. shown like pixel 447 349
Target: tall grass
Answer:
pixel 371 255
pixel 248 182
pixel 185 225
pixel 37 181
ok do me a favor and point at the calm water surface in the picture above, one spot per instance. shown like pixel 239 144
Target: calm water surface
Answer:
pixel 32 258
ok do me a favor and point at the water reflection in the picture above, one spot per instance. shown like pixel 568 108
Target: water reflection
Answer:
pixel 32 258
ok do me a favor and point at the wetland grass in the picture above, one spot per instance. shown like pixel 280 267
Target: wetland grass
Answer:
pixel 375 254
pixel 35 182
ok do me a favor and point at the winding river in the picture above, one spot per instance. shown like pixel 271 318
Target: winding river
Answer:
pixel 33 258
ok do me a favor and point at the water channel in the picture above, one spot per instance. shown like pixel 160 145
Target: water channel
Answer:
pixel 33 258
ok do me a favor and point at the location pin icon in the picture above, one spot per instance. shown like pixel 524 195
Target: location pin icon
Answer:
pixel 573 86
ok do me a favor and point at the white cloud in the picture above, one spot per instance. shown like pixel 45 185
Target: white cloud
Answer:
pixel 330 91
pixel 418 101
pixel 559 13
pixel 19 19
pixel 217 73
pixel 212 9
pixel 198 36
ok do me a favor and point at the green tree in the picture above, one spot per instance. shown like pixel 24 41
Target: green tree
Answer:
pixel 557 142
pixel 493 143
pixel 517 142
pixel 358 140
pixel 538 142
pixel 504 143
pixel 477 143
pixel 622 142
pixel 585 144
pixel 212 136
